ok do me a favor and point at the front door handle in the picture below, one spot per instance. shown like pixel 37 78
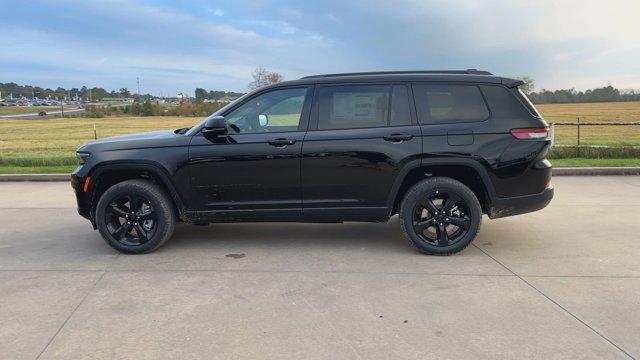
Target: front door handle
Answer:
pixel 396 138
pixel 281 142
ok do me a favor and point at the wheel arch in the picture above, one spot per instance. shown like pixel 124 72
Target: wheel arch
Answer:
pixel 467 171
pixel 103 176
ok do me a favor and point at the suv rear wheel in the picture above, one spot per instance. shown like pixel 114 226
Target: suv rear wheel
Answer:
pixel 440 216
pixel 135 216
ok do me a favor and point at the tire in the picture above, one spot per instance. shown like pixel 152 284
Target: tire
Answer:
pixel 152 216
pixel 426 231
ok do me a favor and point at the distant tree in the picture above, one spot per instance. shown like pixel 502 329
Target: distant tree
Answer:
pixel 201 95
pixel 262 77
pixel 147 109
pixel 529 85
pixel 124 92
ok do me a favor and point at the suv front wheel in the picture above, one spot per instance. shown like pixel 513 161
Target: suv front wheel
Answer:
pixel 440 216
pixel 135 216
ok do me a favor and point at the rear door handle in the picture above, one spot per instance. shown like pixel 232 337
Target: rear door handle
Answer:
pixel 281 142
pixel 396 138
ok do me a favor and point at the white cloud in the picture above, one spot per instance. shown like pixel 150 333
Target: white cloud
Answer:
pixel 217 12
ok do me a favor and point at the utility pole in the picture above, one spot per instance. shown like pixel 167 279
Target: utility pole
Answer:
pixel 138 82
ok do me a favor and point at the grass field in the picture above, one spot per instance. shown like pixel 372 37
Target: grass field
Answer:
pixel 592 112
pixel 49 145
pixel 53 142
pixel 14 110
pixel 595 112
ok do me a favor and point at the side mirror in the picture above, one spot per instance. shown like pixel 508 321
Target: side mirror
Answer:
pixel 263 120
pixel 215 126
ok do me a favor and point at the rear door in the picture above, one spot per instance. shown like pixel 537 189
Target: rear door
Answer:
pixel 360 137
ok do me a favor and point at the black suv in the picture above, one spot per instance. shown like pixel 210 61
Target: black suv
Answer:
pixel 438 148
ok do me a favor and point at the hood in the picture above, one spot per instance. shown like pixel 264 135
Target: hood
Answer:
pixel 139 140
pixel 138 136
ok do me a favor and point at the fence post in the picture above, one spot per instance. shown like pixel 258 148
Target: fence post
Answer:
pixel 578 131
pixel 552 133
pixel 578 136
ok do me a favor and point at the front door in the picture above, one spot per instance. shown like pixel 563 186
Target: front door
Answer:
pixel 360 138
pixel 255 169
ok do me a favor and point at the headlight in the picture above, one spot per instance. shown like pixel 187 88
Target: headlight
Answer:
pixel 82 157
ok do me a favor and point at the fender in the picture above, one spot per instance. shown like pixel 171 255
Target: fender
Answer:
pixel 425 162
pixel 152 167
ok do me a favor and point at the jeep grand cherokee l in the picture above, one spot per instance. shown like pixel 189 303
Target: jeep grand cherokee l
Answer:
pixel 438 148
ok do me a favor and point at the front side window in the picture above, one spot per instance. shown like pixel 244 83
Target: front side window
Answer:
pixel 441 104
pixel 353 106
pixel 274 111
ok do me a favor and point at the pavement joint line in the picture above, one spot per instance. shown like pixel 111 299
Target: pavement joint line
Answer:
pixel 86 295
pixel 557 304
pixel 324 272
pixel 256 271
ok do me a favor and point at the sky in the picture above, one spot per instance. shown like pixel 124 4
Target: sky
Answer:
pixel 176 46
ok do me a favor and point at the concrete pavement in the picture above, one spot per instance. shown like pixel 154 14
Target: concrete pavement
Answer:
pixel 560 283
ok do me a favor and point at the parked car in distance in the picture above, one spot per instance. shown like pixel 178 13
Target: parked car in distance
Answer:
pixel 438 148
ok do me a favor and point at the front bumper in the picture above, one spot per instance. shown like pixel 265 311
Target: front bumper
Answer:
pixel 82 199
pixel 502 207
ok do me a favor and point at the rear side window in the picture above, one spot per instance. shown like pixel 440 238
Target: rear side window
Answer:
pixel 441 104
pixel 354 106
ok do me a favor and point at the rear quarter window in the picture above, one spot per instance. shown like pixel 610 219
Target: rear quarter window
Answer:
pixel 503 102
pixel 443 104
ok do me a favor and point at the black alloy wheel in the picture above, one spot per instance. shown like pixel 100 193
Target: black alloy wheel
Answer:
pixel 131 219
pixel 135 216
pixel 440 216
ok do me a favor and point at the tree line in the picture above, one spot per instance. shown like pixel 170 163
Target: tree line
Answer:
pixel 215 95
pixel 562 96
pixel 149 108
pixel 261 77
pixel 95 93
pixel 602 94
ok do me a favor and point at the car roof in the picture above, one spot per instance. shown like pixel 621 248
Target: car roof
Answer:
pixel 474 76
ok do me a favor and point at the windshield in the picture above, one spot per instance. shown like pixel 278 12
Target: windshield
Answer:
pixel 196 128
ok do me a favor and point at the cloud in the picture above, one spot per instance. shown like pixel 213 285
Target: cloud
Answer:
pixel 217 12
pixel 181 45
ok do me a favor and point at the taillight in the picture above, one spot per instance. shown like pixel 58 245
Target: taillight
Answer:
pixel 548 185
pixel 530 134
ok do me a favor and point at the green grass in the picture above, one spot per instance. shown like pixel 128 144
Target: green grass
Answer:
pixel 36 169
pixel 581 162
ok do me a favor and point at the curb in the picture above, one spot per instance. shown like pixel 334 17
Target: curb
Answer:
pixel 563 171
pixel 587 171
pixel 35 177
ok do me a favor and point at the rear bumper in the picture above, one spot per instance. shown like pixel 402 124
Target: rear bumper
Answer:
pixel 517 205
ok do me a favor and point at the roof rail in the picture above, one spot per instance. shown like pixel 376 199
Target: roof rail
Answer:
pixel 459 72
